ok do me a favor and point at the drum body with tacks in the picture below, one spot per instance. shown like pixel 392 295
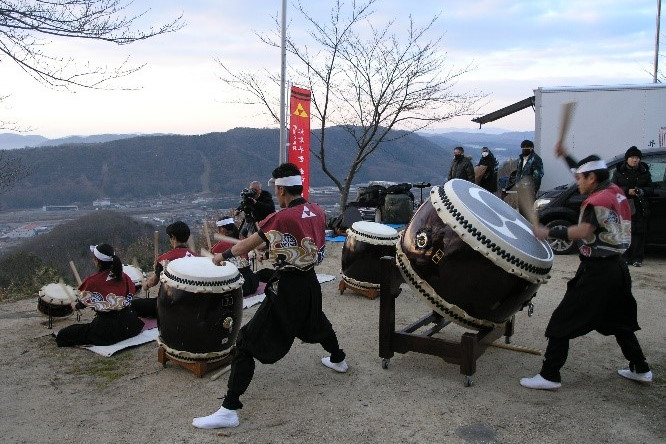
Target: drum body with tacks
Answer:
pixel 366 243
pixel 199 309
pixel 471 256
pixel 55 300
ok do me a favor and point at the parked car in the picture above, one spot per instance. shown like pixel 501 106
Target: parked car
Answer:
pixel 561 205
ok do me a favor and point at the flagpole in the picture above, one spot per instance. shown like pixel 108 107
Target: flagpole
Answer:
pixel 283 79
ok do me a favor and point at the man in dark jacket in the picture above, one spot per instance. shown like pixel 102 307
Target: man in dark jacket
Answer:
pixel 530 165
pixel 633 176
pixel 489 178
pixel 461 166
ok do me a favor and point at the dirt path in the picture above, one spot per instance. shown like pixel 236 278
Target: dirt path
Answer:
pixel 52 395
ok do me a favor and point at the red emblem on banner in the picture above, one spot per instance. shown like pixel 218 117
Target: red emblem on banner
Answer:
pixel 299 134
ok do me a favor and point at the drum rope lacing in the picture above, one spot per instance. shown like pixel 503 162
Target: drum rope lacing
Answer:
pixel 388 240
pixel 490 245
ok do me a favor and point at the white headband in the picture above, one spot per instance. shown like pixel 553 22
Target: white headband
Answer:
pixel 591 166
pixel 288 181
pixel 223 222
pixel 99 255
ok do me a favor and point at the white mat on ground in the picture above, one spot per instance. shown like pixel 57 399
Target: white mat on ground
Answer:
pixel 251 301
pixel 108 350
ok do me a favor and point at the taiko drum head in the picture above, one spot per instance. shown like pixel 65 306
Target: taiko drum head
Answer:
pixel 55 299
pixel 471 256
pixel 135 273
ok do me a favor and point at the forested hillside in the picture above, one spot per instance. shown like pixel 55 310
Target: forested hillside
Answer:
pixel 163 165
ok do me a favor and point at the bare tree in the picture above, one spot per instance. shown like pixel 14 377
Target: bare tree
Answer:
pixel 365 79
pixel 24 24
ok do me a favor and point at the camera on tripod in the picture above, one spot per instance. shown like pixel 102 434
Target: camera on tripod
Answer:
pixel 247 204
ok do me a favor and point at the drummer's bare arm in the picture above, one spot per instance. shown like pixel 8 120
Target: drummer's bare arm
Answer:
pixel 243 247
pixel 561 151
pixel 150 282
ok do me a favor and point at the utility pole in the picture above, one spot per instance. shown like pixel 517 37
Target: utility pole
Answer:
pixel 283 89
pixel 656 44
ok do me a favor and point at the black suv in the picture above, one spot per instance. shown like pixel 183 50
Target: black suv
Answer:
pixel 561 205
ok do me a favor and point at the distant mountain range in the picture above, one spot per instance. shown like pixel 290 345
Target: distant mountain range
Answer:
pixel 129 167
pixel 9 141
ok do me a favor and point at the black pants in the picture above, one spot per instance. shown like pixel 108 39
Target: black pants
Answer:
pixel 242 371
pixel 145 307
pixel 293 311
pixel 105 329
pixel 558 349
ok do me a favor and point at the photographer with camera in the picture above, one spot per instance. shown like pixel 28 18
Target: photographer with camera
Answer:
pixel 255 204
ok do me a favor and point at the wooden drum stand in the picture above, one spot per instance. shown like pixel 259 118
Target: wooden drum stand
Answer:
pixel 463 353
pixel 199 368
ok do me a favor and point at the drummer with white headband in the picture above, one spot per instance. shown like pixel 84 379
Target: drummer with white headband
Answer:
pixel 109 293
pixel 292 309
pixel 599 296
pixel 226 226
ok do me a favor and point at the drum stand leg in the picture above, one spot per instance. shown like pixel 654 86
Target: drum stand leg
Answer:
pixel 199 368
pixel 463 353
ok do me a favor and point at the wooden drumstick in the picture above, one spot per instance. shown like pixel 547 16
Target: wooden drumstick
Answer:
pixel 222 237
pixel 567 112
pixel 525 195
pixel 518 348
pixel 206 253
pixel 190 243
pixel 156 240
pixel 207 234
pixel 75 271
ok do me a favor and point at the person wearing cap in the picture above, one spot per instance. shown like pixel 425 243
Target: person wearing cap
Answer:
pixel 109 293
pixel 488 180
pixel 295 240
pixel 461 166
pixel 633 176
pixel 530 165
pixel 179 234
pixel 227 227
pixel 599 296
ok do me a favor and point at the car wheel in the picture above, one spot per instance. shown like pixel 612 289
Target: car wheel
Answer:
pixel 560 246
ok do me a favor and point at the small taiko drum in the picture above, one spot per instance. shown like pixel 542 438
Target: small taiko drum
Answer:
pixel 366 244
pixel 199 309
pixel 54 300
pixel 471 256
pixel 136 274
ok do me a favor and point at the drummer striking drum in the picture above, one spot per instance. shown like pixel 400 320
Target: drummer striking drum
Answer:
pixel 599 296
pixel 293 306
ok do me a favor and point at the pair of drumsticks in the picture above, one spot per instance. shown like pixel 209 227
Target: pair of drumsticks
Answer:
pixel 525 188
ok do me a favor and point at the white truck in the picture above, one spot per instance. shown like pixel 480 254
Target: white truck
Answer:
pixel 606 121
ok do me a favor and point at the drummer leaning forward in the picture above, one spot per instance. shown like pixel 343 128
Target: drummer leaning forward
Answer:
pixel 599 296
pixel 293 305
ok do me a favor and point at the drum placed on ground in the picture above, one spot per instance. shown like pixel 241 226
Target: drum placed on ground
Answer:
pixel 472 257
pixel 55 300
pixel 366 243
pixel 136 274
pixel 199 309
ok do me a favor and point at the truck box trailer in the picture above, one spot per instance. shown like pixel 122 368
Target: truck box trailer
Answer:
pixel 606 121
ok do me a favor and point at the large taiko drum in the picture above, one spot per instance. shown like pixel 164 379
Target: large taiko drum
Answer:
pixel 366 244
pixel 199 309
pixel 136 274
pixel 471 256
pixel 54 300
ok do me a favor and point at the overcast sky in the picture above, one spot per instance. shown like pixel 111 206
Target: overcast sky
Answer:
pixel 514 47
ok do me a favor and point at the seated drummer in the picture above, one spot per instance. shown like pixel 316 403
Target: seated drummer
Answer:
pixel 109 292
pixel 179 234
pixel 227 227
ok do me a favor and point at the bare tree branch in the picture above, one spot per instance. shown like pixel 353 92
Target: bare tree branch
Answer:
pixel 25 23
pixel 369 80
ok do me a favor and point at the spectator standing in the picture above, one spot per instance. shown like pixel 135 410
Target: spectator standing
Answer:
pixel 633 177
pixel 530 165
pixel 489 178
pixel 461 166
